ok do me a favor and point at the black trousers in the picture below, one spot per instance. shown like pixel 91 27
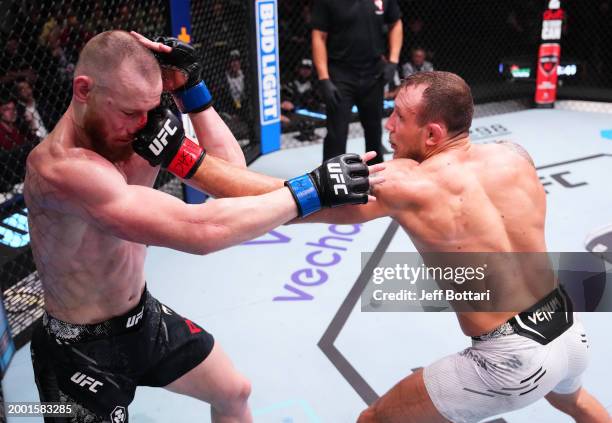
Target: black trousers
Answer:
pixel 363 87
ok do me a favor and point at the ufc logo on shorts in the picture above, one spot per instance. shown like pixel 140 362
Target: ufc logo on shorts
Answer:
pixel 83 380
pixel 158 144
pixel 335 172
pixel 132 320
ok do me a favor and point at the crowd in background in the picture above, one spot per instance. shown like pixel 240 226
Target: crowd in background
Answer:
pixel 41 41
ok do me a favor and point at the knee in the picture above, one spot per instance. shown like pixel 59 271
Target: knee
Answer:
pixel 241 391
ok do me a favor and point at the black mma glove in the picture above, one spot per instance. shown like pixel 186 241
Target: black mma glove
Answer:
pixel 162 142
pixel 338 181
pixel 193 96
pixel 389 72
pixel 331 95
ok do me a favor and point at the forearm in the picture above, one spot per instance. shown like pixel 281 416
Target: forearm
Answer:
pixel 396 36
pixel 235 220
pixel 221 179
pixel 346 215
pixel 319 54
pixel 214 135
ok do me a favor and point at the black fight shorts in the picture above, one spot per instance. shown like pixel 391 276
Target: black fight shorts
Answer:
pixel 98 367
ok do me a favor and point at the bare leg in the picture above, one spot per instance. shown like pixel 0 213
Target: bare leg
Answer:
pixel 406 402
pixel 581 405
pixel 217 382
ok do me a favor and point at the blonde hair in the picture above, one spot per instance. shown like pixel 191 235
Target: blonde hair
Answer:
pixel 104 54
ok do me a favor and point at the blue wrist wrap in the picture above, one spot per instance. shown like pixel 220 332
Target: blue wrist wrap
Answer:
pixel 305 194
pixel 193 99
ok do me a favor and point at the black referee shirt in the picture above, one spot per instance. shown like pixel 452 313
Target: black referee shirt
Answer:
pixel 355 28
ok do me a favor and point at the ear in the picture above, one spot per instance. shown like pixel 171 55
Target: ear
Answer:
pixel 435 133
pixel 81 88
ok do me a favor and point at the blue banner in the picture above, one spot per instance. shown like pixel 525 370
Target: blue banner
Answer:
pixel 266 18
pixel 180 19
pixel 7 347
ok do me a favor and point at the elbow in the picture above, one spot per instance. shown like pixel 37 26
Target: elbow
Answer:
pixel 210 238
pixel 240 161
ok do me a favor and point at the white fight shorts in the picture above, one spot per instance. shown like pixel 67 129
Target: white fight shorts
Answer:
pixel 505 371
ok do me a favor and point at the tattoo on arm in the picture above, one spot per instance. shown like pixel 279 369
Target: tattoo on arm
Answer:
pixel 518 149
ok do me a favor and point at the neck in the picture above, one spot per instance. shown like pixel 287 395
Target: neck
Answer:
pixel 460 141
pixel 75 117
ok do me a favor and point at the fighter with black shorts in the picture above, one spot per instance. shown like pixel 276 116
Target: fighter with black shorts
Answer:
pixel 92 212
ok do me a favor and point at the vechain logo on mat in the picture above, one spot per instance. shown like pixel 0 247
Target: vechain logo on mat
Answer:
pixel 267 60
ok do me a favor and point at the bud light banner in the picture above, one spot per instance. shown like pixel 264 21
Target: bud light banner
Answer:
pixel 268 73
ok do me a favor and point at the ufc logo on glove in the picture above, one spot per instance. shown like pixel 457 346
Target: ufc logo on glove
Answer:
pixel 335 172
pixel 158 144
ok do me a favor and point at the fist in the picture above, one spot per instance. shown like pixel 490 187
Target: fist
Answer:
pixel 339 181
pixel 162 142
pixel 160 139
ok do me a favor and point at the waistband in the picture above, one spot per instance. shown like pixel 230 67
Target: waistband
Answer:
pixel 502 330
pixel 73 332
pixel 543 322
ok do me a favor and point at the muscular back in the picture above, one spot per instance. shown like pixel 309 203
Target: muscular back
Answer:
pixel 485 198
pixel 88 275
pixel 488 198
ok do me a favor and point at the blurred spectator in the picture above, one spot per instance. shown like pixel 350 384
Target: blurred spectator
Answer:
pixel 98 21
pixel 13 63
pixel 417 63
pixel 300 92
pixel 36 117
pixel 14 146
pixel 72 37
pixel 10 136
pixel 235 81
pixel 123 17
pixel 229 90
pixel 50 26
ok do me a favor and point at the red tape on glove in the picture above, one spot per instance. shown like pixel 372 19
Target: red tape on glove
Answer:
pixel 187 156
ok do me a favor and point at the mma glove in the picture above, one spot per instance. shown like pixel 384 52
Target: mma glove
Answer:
pixel 331 95
pixel 338 181
pixel 193 96
pixel 163 142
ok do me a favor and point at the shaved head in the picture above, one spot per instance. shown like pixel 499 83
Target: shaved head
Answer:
pixel 117 81
pixel 111 52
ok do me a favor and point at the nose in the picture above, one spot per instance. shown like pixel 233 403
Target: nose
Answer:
pixel 390 122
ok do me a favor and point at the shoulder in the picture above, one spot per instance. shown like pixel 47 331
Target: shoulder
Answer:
pixel 67 167
pixel 408 181
pixel 518 149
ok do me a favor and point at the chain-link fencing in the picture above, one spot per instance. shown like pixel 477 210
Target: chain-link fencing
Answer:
pixel 221 32
pixel 493 45
pixel 41 43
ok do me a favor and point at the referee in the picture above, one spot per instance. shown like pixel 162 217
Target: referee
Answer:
pixel 348 45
